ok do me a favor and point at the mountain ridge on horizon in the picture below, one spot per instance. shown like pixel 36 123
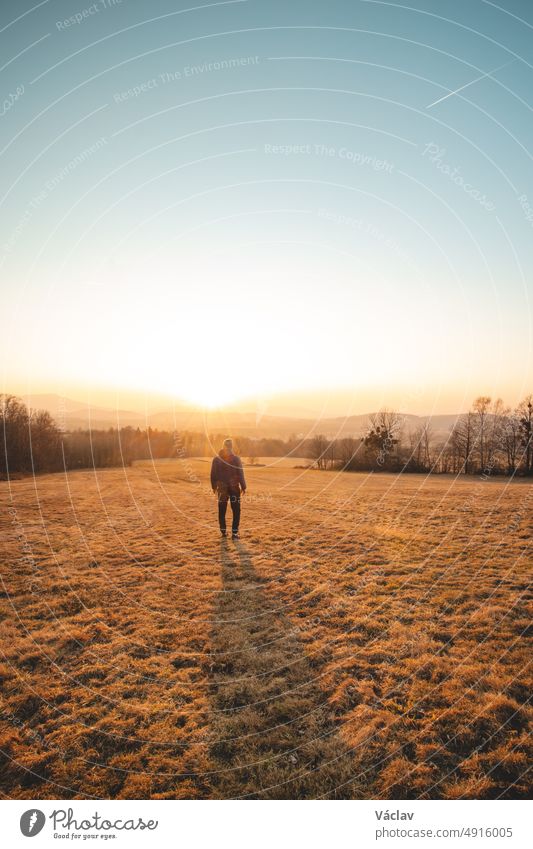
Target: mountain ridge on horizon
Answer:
pixel 72 414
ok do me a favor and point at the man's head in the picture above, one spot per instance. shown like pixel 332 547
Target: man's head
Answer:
pixel 228 446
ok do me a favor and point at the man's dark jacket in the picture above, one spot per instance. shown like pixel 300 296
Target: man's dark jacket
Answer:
pixel 226 469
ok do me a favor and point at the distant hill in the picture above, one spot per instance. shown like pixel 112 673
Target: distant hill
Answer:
pixel 72 414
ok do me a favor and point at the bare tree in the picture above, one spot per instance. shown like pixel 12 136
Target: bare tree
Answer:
pixel 14 423
pixel 481 408
pixel 45 439
pixel 420 444
pixel 495 427
pixel 512 441
pixel 318 448
pixel 462 442
pixel 446 458
pixel 427 438
pixel 525 415
pixel 331 454
pixel 383 436
pixel 387 420
pixel 346 451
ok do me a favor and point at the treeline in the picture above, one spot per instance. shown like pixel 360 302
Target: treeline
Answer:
pixel 115 446
pixel 31 440
pixel 490 439
pixel 32 443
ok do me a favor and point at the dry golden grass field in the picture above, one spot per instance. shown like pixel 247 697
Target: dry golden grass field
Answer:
pixel 366 637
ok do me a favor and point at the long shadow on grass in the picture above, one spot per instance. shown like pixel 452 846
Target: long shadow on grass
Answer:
pixel 272 735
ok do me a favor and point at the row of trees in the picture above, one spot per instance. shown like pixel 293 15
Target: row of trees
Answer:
pixel 32 443
pixel 115 446
pixel 31 439
pixel 489 439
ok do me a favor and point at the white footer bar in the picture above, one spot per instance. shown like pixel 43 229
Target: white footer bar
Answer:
pixel 264 825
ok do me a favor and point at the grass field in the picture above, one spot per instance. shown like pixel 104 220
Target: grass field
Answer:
pixel 366 637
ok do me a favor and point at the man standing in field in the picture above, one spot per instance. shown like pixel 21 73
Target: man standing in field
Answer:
pixel 227 481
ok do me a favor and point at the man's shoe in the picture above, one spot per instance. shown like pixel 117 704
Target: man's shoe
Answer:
pixel 223 533
pixel 235 535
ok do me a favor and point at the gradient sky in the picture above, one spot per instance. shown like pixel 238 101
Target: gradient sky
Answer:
pixel 304 220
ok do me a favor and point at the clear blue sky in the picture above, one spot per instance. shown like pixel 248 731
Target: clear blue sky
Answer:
pixel 274 180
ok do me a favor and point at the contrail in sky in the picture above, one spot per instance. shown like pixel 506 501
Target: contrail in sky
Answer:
pixel 488 74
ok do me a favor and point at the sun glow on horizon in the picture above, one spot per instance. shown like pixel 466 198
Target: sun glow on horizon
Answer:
pixel 218 258
pixel 208 397
pixel 229 327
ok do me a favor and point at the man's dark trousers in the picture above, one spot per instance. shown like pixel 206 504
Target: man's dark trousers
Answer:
pixel 233 494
